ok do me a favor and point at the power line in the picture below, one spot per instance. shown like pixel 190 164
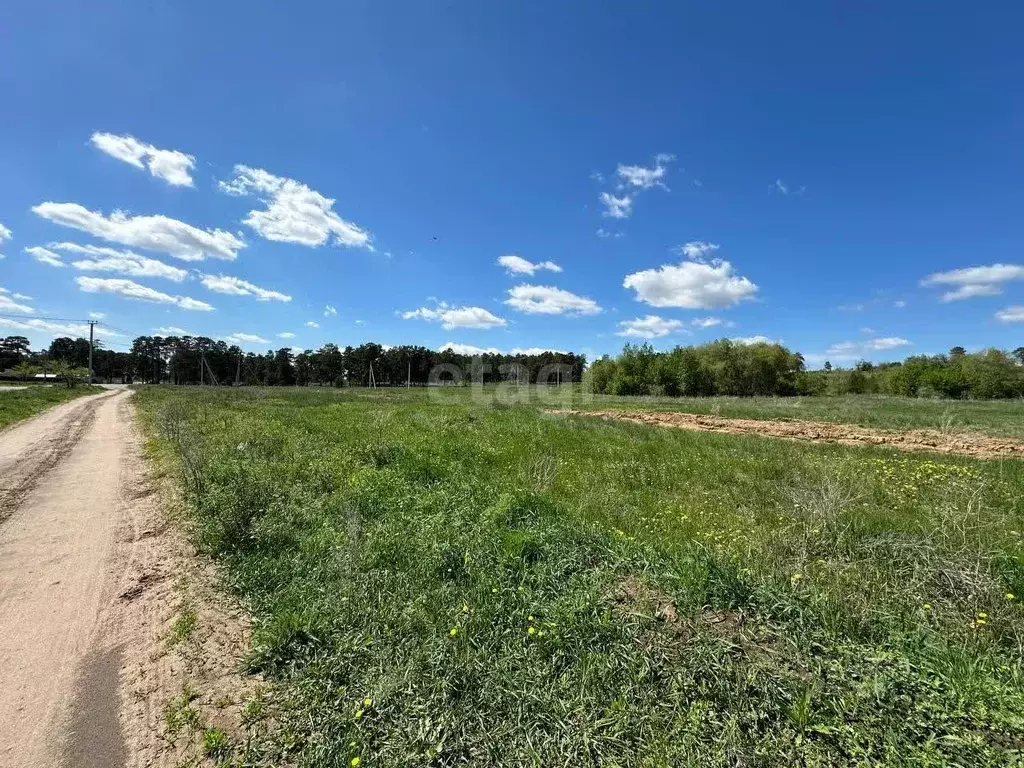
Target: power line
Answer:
pixel 120 330
pixel 50 319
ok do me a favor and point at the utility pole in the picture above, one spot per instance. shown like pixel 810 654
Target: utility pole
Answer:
pixel 238 370
pixel 202 368
pixel 92 325
pixel 408 376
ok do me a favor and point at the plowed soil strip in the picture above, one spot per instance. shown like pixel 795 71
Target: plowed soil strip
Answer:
pixel 963 443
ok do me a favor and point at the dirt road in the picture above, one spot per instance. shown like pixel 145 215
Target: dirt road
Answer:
pixel 62 504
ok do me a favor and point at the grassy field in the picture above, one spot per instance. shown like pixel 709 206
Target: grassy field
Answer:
pixel 439 582
pixel 1003 418
pixel 19 404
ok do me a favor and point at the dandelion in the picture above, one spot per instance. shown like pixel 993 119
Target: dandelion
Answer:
pixel 1010 596
pixel 453 631
pixel 494 590
pixel 796 577
pixel 530 618
pixel 927 606
pixel 532 631
pixel 359 713
pixel 354 762
pixel 982 615
pixel 367 702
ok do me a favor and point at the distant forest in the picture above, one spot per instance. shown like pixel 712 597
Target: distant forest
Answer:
pixel 720 367
pixel 726 367
pixel 197 359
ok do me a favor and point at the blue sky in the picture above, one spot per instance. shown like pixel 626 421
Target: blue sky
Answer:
pixel 849 180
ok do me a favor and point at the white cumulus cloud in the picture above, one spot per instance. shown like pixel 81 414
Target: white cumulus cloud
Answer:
pixel 5 234
pixel 748 340
pixel 649 327
pixel 172 330
pixel 286 335
pixel 122 262
pixel 707 322
pixel 45 256
pixel 294 213
pixel 329 310
pixel 1014 314
pixel 456 317
pixel 246 338
pixel 168 164
pixel 132 290
pixel 975 281
pixel 691 285
pixel 154 233
pixel 8 304
pixel 75 330
pixel 548 300
pixel 644 178
pixel 235 286
pixel 697 249
pixel 855 348
pixel 312 324
pixel 616 207
pixel 468 349
pixel 517 265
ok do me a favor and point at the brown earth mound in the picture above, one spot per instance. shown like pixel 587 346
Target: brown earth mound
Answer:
pixel 965 443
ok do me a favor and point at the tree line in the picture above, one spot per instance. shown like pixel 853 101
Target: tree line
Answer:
pixel 198 359
pixel 726 367
pixel 722 367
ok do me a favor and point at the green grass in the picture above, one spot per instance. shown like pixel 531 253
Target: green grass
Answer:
pixel 513 588
pixel 23 403
pixel 183 626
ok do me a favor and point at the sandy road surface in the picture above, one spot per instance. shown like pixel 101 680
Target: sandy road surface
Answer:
pixel 62 504
pixel 965 443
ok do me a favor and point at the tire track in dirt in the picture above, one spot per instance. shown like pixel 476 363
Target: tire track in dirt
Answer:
pixel 32 448
pixel 962 443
